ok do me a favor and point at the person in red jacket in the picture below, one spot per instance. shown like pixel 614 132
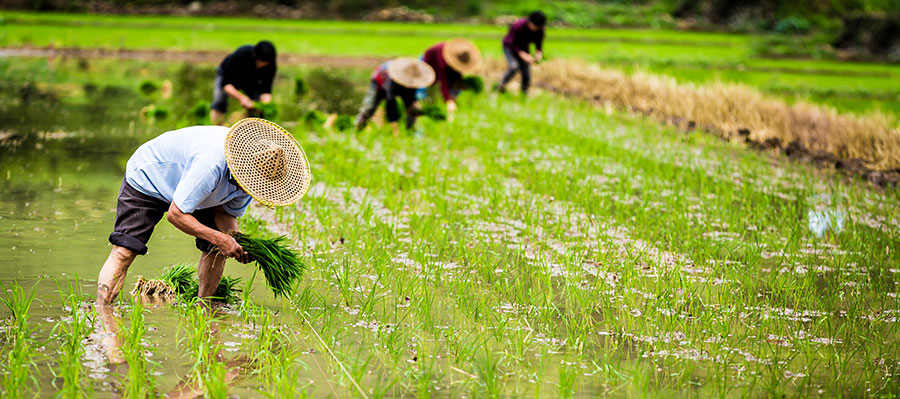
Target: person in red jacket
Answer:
pixel 517 48
pixel 451 60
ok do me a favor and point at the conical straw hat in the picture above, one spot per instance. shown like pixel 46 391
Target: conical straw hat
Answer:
pixel 462 55
pixel 410 72
pixel 267 162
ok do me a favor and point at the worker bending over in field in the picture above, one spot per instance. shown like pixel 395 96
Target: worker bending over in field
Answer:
pixel 397 78
pixel 204 178
pixel 249 69
pixel 517 48
pixel 451 60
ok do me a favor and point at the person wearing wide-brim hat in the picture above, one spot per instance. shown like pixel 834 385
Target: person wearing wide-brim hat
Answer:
pixel 451 61
pixel 397 78
pixel 204 177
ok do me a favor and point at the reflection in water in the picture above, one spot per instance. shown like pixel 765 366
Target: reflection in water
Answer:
pixel 230 370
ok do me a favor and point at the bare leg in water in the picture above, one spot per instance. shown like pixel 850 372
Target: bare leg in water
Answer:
pixel 109 283
pixel 212 265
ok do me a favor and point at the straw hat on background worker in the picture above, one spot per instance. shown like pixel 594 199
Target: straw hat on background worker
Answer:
pixel 267 162
pixel 410 72
pixel 462 55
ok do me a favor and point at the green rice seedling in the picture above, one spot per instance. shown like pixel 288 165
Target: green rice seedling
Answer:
pixel 567 376
pixel 300 87
pixel 201 329
pixel 473 83
pixel 182 279
pixel 434 112
pixel 199 113
pixel 313 118
pixel 343 123
pixel 213 380
pixel 281 266
pixel 268 111
pixel 148 87
pixel 141 382
pixel 72 334
pixel 227 291
pixel 19 350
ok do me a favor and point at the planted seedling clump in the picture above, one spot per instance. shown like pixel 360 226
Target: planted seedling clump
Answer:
pixel 280 264
pixel 179 282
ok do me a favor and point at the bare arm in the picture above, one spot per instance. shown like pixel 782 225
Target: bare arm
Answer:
pixel 190 225
pixel 265 98
pixel 232 91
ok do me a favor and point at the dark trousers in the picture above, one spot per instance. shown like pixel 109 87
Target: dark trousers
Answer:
pixel 373 98
pixel 516 64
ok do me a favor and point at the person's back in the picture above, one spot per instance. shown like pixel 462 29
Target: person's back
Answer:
pixel 517 48
pixel 186 166
pixel 245 75
pixel 239 69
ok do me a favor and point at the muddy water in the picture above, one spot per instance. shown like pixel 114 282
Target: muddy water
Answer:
pixel 61 167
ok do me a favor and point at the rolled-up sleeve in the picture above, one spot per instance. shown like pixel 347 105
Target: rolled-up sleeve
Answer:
pixel 195 186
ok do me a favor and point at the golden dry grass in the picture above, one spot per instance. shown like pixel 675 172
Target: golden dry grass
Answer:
pixel 726 109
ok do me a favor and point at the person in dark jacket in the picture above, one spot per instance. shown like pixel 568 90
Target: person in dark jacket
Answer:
pixel 451 61
pixel 517 48
pixel 397 78
pixel 245 75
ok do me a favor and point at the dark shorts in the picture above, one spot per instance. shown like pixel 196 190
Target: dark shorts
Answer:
pixel 220 97
pixel 137 214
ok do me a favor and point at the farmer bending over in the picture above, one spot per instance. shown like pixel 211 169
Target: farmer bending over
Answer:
pixel 517 48
pixel 451 60
pixel 398 78
pixel 249 69
pixel 204 178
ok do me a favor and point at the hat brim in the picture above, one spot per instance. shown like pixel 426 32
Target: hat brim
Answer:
pixel 243 140
pixel 453 51
pixel 410 72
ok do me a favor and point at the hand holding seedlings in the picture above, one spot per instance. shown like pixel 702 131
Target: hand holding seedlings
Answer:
pixel 229 248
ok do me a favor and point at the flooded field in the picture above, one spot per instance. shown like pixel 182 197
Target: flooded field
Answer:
pixel 554 251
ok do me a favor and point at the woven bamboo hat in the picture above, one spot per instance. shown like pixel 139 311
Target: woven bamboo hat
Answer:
pixel 267 162
pixel 410 72
pixel 462 55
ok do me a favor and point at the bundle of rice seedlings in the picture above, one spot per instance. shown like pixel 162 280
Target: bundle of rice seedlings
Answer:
pixel 268 111
pixel 179 282
pixel 473 83
pixel 280 265
pixel 228 290
pixel 182 279
pixel 435 112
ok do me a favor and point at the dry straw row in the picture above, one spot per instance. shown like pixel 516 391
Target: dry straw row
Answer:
pixel 727 109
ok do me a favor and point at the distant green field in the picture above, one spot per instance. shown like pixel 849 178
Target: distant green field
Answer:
pixel 687 56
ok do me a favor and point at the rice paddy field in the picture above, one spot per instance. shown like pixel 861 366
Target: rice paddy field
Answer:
pixel 532 247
